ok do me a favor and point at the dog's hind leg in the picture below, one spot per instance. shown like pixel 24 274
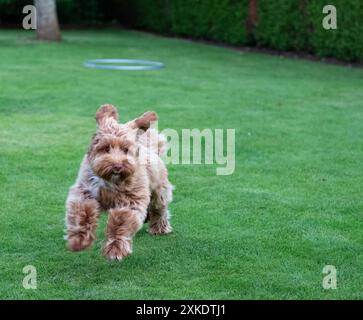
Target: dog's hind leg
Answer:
pixel 81 219
pixel 121 226
pixel 158 211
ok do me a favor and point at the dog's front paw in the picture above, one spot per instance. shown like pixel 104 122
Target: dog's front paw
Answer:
pixel 117 249
pixel 79 241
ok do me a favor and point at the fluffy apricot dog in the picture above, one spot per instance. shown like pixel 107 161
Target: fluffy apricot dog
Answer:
pixel 121 173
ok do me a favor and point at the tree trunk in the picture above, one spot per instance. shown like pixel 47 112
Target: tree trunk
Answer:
pixel 47 20
pixel 252 15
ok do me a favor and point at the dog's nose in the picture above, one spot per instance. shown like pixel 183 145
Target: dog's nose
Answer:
pixel 117 168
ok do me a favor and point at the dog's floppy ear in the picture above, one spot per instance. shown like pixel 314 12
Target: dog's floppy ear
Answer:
pixel 143 122
pixel 106 111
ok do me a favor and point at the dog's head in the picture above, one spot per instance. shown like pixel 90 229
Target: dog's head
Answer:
pixel 113 154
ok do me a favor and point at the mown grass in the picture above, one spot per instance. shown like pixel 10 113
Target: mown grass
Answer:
pixel 293 205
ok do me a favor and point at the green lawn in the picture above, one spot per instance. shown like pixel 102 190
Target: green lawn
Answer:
pixel 293 205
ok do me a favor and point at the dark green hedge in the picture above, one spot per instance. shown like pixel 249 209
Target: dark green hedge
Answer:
pixel 153 15
pixel 281 24
pixel 11 11
pixel 222 20
pixel 297 25
pixel 346 42
pixel 79 11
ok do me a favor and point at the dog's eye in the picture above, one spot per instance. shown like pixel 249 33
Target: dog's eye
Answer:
pixel 107 149
pixel 124 149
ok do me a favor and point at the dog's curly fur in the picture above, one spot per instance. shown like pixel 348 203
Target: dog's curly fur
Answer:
pixel 122 173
